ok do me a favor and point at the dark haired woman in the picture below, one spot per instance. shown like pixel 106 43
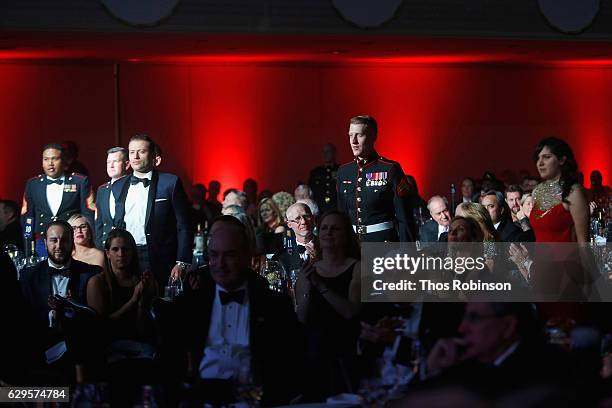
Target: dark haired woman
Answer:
pixel 560 211
pixel 328 297
pixel 121 295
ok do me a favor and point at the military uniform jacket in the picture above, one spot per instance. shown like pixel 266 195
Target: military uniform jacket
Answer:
pixel 77 198
pixel 104 222
pixel 322 182
pixel 373 191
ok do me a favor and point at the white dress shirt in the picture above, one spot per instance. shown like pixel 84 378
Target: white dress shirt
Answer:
pixel 442 229
pixel 55 192
pixel 136 208
pixel 111 199
pixel 503 356
pixel 59 286
pixel 304 255
pixel 227 352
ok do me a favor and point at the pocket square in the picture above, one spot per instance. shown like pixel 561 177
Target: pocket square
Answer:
pixel 160 199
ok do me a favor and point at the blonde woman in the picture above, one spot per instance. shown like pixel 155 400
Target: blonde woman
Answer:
pixel 84 248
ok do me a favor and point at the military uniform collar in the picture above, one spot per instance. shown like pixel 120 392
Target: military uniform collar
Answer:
pixel 364 162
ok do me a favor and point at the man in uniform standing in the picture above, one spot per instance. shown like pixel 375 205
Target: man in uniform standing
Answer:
pixel 54 196
pixel 322 180
pixel 117 165
pixel 372 190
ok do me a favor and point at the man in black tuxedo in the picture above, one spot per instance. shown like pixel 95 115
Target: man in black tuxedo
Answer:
pixel 117 165
pixel 55 195
pixel 59 275
pixel 433 229
pixel 300 246
pixel 508 231
pixel 501 350
pixel 234 326
pixel 153 207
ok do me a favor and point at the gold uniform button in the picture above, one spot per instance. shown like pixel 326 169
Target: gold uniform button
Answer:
pixel 359 179
pixel 358 209
pixel 358 188
pixel 359 220
pixel 359 199
pixel 360 170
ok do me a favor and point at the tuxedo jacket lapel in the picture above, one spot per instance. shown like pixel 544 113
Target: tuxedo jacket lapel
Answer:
pixel 151 200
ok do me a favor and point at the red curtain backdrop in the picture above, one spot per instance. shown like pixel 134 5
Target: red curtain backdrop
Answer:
pixel 233 121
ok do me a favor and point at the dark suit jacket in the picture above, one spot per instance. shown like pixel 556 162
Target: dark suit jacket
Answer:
pixel 168 225
pixel 290 261
pixel 104 221
pixel 509 231
pixel 36 287
pixel 533 363
pixel 77 198
pixel 276 340
pixel 429 232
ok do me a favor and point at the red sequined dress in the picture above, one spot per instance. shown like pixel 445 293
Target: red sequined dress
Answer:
pixel 550 221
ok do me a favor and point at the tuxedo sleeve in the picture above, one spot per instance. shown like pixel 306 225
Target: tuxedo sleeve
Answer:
pixel 184 231
pixel 402 205
pixel 88 205
pixel 99 223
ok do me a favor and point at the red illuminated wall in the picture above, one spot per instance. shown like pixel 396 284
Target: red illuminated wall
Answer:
pixel 231 122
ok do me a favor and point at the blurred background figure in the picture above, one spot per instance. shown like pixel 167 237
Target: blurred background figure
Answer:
pixel 322 179
pixel 71 161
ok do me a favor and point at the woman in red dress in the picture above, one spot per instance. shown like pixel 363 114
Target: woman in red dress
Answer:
pixel 560 212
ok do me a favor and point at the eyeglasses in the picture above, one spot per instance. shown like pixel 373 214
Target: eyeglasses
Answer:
pixel 301 218
pixel 81 227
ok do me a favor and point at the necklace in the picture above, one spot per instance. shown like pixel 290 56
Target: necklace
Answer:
pixel 547 194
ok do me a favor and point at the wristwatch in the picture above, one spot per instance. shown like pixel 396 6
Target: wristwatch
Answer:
pixel 183 265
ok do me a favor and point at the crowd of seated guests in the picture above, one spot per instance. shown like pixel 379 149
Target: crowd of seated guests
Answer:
pixel 324 341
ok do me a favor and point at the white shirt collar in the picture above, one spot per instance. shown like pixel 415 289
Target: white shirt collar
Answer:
pixel 148 175
pixel 503 356
pixel 56 266
pixel 62 177
pixel 496 225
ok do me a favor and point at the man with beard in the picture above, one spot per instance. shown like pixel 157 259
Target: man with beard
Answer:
pixel 59 275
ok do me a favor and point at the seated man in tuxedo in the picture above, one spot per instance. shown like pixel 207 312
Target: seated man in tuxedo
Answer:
pixel 234 327
pixel 501 351
pixel 495 204
pixel 433 229
pixel 59 275
pixel 300 247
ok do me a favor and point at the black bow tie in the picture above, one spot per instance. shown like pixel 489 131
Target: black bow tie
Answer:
pixel 55 271
pixel 56 181
pixel 145 181
pixel 228 297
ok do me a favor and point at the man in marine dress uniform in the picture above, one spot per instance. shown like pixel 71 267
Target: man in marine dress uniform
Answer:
pixel 372 190
pixel 117 165
pixel 322 180
pixel 55 196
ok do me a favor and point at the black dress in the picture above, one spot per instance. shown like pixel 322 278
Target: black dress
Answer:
pixel 332 342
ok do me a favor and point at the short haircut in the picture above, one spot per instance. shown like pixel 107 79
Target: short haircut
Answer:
pixel 367 120
pixel 118 149
pixel 303 190
pixel 11 205
pixel 145 138
pixel 234 222
pixel 500 197
pixel 436 197
pixel 60 223
pixel 513 188
pixel 55 146
pixel 293 206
